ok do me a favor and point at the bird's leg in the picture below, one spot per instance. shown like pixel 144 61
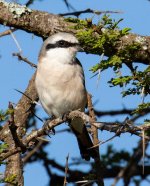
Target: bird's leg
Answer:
pixel 65 116
pixel 49 130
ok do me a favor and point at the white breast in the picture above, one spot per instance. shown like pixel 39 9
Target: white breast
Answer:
pixel 60 87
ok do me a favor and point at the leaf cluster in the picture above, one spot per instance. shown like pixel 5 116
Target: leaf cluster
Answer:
pixel 3 147
pixel 11 179
pixel 138 83
pixel 4 114
pixel 138 80
pixel 142 108
pixel 101 38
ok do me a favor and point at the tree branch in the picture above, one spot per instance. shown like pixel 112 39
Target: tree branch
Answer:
pixel 66 171
pixel 7 32
pixel 78 13
pixel 94 130
pixel 111 127
pixel 128 171
pixel 40 23
pixel 123 128
pixel 20 57
pixel 14 162
pixel 44 24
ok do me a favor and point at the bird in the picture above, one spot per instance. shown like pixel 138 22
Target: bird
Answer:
pixel 60 85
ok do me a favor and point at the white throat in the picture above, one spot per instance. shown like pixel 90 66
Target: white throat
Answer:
pixel 60 55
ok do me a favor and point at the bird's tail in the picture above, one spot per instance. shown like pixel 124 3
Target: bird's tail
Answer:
pixel 84 140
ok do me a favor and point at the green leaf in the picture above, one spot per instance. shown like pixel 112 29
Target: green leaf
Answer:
pixel 125 31
pixel 121 81
pixel 4 114
pixel 141 108
pixel 11 179
pixel 113 61
pixel 3 147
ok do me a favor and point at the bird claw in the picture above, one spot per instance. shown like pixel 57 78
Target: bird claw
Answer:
pixel 65 116
pixel 47 128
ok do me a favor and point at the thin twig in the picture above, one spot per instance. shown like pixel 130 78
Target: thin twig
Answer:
pixel 117 133
pixel 23 94
pixel 11 152
pixel 32 152
pixel 86 182
pixel 68 5
pixel 143 145
pixel 20 57
pixel 102 142
pixel 16 42
pixel 78 13
pixel 99 71
pixel 113 127
pixel 66 170
pixel 89 182
pixel 33 103
pixel 7 32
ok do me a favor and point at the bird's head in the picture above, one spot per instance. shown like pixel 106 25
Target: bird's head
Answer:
pixel 61 45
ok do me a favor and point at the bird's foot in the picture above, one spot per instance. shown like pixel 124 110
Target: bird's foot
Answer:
pixel 65 116
pixel 48 129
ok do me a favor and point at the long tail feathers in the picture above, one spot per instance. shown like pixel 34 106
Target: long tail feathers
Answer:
pixel 84 140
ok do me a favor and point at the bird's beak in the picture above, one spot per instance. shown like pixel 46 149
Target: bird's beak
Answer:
pixel 80 49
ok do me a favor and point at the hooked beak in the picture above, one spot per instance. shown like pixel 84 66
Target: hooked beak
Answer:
pixel 80 49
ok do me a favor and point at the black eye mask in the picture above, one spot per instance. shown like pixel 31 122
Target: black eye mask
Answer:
pixel 61 44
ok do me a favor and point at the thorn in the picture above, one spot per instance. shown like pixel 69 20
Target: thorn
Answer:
pixel 23 94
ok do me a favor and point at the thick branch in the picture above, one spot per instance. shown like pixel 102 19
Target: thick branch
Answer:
pixel 37 22
pixel 23 111
pixel 44 24
pixel 112 127
pixel 21 114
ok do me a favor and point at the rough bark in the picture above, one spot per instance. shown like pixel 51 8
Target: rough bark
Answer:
pixel 37 22
pixel 44 24
pixel 99 169
pixel 14 166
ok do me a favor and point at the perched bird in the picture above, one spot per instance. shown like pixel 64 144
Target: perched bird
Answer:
pixel 61 86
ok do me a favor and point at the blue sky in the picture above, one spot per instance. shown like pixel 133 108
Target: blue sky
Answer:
pixel 15 74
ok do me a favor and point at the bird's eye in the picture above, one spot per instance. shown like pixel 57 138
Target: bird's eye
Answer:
pixel 61 43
